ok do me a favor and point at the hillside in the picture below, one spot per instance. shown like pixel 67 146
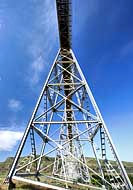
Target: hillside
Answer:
pixel 4 167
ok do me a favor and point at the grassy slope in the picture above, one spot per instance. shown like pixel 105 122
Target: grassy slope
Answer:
pixel 4 167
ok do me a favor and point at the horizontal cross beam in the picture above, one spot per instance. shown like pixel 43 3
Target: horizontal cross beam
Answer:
pixel 66 122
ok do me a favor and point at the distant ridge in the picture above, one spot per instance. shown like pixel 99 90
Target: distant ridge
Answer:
pixel 4 166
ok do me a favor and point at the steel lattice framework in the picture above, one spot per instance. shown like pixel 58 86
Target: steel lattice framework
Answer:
pixel 65 126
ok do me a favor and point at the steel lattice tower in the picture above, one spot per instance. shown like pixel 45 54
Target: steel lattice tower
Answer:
pixel 65 126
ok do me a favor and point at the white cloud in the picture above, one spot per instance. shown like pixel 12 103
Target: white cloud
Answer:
pixel 8 139
pixel 14 105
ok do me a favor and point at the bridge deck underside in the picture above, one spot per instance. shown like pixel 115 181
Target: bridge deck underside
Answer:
pixel 64 22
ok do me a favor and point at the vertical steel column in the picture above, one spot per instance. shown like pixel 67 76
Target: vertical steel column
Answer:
pixel 67 91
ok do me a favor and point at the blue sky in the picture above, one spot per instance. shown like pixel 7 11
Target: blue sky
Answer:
pixel 102 40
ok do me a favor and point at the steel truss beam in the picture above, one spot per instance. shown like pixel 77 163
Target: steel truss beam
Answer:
pixel 64 22
pixel 69 118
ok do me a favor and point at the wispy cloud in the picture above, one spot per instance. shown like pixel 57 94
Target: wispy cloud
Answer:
pixel 42 39
pixel 127 49
pixel 90 9
pixel 2 19
pixel 36 68
pixel 8 139
pixel 15 105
